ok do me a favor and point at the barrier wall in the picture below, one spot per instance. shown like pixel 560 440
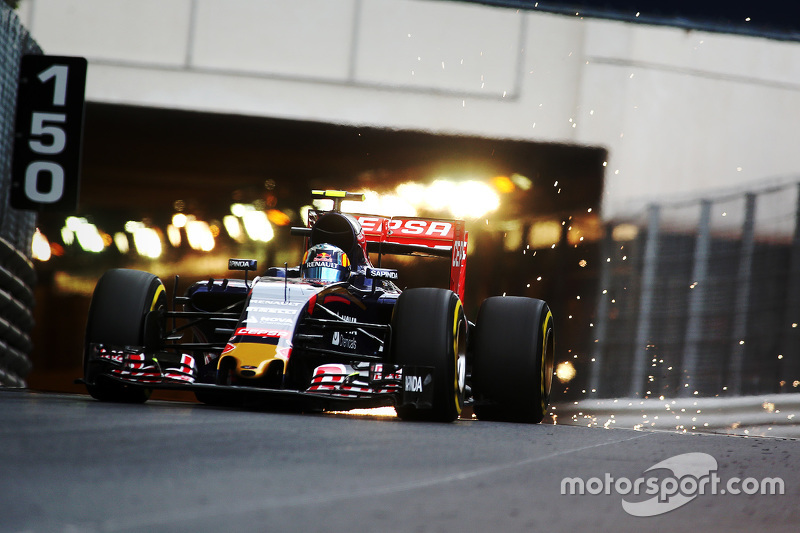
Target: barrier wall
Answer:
pixel 17 276
pixel 701 297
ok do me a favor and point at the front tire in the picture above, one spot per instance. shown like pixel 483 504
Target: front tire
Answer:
pixel 429 329
pixel 514 354
pixel 119 316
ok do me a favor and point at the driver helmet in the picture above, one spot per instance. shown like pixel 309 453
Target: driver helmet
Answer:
pixel 325 262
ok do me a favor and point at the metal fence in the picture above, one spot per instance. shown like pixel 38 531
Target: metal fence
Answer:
pixel 701 298
pixel 16 227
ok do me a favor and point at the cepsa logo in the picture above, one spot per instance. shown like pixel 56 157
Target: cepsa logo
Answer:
pixel 256 332
pixel 410 227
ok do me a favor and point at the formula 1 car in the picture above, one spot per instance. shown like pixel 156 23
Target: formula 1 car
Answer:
pixel 334 333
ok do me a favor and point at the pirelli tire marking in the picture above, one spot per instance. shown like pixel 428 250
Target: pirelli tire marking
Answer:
pixel 159 291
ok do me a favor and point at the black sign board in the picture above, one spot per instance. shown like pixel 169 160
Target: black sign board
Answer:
pixel 48 134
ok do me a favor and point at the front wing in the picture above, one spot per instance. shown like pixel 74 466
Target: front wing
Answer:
pixel 169 371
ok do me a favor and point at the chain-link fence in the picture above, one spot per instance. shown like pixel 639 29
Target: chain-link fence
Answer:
pixel 16 227
pixel 702 298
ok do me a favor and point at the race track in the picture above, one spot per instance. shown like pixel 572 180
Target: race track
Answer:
pixel 69 463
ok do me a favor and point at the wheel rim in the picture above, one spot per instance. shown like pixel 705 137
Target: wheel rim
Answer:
pixel 548 361
pixel 461 365
pixel 459 352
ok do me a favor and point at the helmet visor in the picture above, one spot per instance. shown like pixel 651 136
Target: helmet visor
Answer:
pixel 326 273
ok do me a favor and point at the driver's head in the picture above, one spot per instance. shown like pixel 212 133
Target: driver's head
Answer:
pixel 325 262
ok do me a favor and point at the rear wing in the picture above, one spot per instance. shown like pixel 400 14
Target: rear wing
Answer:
pixel 401 235
pixel 422 237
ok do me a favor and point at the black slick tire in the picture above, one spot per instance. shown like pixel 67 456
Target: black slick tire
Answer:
pixel 429 329
pixel 119 316
pixel 512 371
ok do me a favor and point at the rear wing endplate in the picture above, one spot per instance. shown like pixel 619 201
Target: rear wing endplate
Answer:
pixel 420 236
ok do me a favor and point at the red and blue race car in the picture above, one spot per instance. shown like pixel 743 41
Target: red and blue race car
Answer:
pixel 334 333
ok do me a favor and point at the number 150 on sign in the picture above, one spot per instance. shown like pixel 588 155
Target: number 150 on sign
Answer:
pixel 48 135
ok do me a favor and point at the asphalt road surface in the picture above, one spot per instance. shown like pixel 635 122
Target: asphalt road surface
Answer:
pixel 69 463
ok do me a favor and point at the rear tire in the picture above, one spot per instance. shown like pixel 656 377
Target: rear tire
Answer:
pixel 429 329
pixel 514 354
pixel 119 316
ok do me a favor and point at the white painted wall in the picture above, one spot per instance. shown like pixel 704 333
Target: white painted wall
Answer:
pixel 680 112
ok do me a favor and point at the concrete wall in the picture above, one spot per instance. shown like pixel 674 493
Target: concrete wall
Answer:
pixel 680 112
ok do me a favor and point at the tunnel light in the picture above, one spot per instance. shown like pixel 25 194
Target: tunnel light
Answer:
pixel 544 233
pixel 462 199
pixel 73 223
pixel 279 218
pixel 40 246
pixel 440 194
pixel 199 236
pixel 238 210
pixel 470 199
pixel 179 220
pixel 86 234
pixel 257 226
pixel 411 192
pixel 67 236
pixel 233 227
pixel 132 225
pixel 503 184
pixel 147 242
pixel 90 239
pixel 522 182
pixel 473 199
pixel 395 205
pixel 174 234
pixel 121 242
